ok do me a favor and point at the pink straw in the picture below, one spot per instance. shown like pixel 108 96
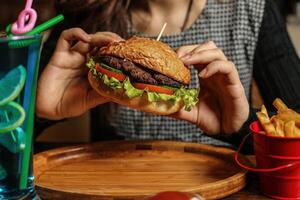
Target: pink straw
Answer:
pixel 26 20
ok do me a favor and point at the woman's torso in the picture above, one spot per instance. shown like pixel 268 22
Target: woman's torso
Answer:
pixel 234 27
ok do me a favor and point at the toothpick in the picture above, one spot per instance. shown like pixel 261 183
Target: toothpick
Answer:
pixel 161 32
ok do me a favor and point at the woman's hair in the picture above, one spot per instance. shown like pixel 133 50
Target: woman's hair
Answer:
pixel 95 15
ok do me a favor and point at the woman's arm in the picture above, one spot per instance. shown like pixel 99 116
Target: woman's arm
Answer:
pixel 63 89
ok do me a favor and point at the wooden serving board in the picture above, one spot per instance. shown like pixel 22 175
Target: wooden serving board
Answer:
pixel 131 170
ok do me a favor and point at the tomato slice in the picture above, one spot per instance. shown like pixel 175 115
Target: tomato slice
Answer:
pixel 153 88
pixel 118 76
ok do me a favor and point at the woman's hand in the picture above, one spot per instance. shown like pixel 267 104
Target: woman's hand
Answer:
pixel 223 106
pixel 63 89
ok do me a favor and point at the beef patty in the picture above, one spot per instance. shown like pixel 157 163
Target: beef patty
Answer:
pixel 139 73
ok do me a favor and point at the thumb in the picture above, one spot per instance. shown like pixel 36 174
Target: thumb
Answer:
pixel 190 116
pixel 94 99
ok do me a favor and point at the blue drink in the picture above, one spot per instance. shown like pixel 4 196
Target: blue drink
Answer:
pixel 19 65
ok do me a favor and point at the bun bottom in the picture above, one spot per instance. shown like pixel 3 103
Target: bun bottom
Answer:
pixel 139 103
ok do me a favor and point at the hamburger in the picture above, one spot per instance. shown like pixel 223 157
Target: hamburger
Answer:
pixel 143 74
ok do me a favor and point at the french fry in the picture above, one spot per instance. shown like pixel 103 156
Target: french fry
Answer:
pixel 263 118
pixel 286 123
pixel 264 110
pixel 266 124
pixel 279 105
pixel 288 115
pixel 279 126
pixel 289 128
pixel 270 129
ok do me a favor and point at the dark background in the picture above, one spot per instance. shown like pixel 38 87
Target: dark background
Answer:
pixel 45 9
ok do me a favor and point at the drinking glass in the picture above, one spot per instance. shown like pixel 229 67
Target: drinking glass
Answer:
pixel 19 64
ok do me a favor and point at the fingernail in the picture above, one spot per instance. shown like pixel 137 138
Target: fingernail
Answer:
pixel 203 73
pixel 118 39
pixel 205 41
pixel 186 56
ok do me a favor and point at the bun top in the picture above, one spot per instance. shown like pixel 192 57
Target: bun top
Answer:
pixel 151 54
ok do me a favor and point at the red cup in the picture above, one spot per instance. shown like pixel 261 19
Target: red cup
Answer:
pixel 278 162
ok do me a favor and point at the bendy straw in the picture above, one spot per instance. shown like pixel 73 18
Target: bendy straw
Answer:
pixel 37 30
pixel 161 31
pixel 26 20
pixel 46 25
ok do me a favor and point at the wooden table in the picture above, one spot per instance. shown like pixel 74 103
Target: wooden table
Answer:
pixel 251 191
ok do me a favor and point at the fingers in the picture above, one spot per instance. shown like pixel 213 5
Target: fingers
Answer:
pixel 103 38
pixel 68 37
pixel 190 49
pixel 82 48
pixel 221 67
pixel 203 57
pixel 207 58
pixel 190 116
pixel 182 51
pixel 94 99
pixel 206 45
pixel 100 39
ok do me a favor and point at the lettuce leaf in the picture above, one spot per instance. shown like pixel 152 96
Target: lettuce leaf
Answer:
pixel 131 91
pixel 188 96
pixel 154 96
pixel 111 82
pixel 91 65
